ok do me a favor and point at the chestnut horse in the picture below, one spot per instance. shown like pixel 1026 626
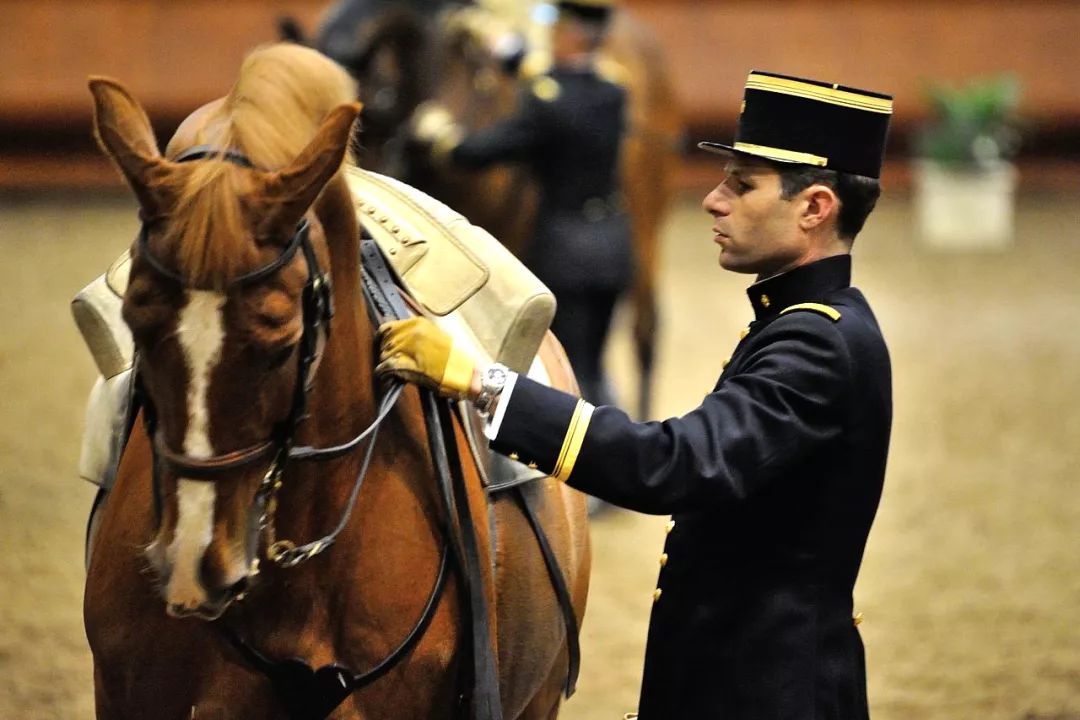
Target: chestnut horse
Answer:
pixel 388 45
pixel 196 604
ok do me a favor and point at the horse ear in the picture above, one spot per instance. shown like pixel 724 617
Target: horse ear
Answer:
pixel 123 131
pixel 295 187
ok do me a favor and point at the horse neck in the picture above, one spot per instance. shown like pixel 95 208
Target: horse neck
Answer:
pixel 343 387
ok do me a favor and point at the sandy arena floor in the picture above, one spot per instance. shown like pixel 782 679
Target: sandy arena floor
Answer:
pixel 971 584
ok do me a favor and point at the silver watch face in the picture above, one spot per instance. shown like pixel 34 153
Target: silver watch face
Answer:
pixel 495 377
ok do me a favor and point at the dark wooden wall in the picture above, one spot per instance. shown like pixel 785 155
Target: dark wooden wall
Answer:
pixel 889 45
pixel 174 55
pixel 177 54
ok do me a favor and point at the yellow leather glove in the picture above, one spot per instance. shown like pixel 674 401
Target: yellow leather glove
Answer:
pixel 419 351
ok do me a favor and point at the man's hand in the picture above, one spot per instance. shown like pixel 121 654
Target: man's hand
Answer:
pixel 418 351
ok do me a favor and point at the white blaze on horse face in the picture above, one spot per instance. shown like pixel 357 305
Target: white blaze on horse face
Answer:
pixel 201 332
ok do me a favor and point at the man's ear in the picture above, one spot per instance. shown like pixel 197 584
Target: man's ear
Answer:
pixel 822 206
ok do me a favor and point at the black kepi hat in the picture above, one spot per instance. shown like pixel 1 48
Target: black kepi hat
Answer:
pixel 792 120
pixel 594 10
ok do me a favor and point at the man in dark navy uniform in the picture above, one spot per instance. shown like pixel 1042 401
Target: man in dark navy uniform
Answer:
pixel 774 480
pixel 568 130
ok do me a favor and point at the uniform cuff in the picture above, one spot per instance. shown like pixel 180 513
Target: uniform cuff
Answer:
pixel 491 430
pixel 542 426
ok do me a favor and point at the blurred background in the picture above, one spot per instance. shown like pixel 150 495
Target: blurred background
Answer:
pixel 970 588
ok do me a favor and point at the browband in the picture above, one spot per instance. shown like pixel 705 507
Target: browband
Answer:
pixel 202 152
pixel 298 239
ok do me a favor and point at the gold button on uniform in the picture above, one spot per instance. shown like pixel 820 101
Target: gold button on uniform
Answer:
pixel 669 527
pixel 513 456
pixel 723 365
pixel 765 302
pixel 744 332
pixel 663 560
pixel 656 594
pixel 857 619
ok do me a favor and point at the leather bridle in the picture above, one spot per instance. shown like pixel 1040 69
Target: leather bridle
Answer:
pixel 295 682
pixel 317 310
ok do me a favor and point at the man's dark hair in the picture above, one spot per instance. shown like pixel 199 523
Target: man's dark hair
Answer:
pixel 858 194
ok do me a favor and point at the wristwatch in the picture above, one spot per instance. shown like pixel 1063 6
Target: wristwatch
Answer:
pixel 492 382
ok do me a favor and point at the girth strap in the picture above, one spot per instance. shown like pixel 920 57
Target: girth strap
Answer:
pixel 486 702
pixel 562 593
pixel 385 303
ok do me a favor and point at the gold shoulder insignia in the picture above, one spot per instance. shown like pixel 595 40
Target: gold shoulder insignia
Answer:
pixel 829 312
pixel 546 88
pixel 612 70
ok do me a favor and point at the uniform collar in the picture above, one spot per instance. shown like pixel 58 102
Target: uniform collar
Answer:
pixel 806 283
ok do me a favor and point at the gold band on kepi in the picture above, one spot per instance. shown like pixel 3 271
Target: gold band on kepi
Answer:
pixel 793 120
pixel 778 154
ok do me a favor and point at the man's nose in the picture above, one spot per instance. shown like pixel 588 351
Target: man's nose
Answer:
pixel 714 203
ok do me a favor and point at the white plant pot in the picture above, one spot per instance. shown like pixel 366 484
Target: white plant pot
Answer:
pixel 965 208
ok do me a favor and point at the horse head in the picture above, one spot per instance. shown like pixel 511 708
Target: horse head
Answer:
pixel 227 306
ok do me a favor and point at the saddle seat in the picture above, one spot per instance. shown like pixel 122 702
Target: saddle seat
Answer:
pixel 471 285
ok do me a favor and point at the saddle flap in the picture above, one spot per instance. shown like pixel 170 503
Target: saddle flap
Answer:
pixel 116 277
pixel 410 226
pixel 455 270
pixel 96 309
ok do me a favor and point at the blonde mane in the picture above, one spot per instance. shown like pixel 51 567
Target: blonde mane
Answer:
pixel 280 99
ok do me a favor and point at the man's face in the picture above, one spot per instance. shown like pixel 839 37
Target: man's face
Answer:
pixel 757 230
pixel 566 39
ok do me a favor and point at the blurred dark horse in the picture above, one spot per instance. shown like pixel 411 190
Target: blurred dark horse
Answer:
pixel 406 52
pixel 385 45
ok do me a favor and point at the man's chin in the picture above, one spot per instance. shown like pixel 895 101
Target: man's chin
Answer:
pixel 733 264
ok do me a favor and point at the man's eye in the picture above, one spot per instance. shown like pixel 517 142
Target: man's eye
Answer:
pixel 738 186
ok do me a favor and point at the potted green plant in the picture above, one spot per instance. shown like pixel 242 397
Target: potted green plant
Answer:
pixel 965 181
